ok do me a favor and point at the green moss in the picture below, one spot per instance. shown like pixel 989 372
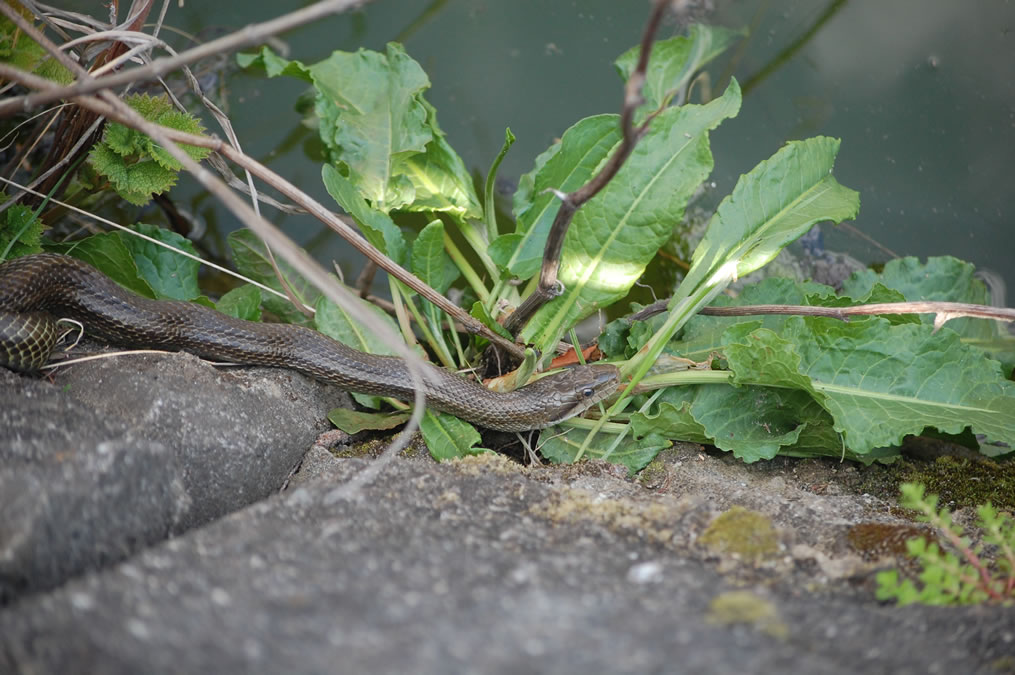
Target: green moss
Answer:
pixel 742 532
pixel 959 481
pixel 654 475
pixel 966 482
pixel 744 607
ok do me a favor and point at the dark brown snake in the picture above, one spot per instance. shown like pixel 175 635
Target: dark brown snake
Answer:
pixel 37 290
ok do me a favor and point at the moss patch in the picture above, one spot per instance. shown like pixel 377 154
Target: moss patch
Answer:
pixel 744 607
pixel 964 482
pixel 743 532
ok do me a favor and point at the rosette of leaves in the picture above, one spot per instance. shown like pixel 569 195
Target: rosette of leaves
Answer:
pixel 135 165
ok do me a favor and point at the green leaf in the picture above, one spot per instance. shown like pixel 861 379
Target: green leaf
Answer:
pixel 449 437
pixel 379 131
pixel 132 162
pixel 170 274
pixel 355 421
pixel 635 454
pixel 251 259
pixel 566 166
pixel 338 324
pixel 880 381
pixel 751 422
pixel 479 312
pixel 20 231
pixel 273 65
pixel 243 302
pixel 372 118
pixel 110 255
pixel 615 235
pixel 377 227
pixel 439 176
pixel 19 50
pixel 675 61
pixel 770 207
pixel 429 260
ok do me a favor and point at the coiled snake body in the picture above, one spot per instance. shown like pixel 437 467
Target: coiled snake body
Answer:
pixel 36 290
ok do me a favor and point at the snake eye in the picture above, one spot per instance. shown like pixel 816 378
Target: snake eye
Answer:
pixel 588 392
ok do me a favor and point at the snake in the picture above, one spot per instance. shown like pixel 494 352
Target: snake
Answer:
pixel 39 290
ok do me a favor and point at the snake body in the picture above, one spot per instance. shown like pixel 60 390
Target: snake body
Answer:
pixel 36 290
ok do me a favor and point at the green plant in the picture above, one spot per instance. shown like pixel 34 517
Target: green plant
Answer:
pixel 802 386
pixel 134 164
pixel 967 576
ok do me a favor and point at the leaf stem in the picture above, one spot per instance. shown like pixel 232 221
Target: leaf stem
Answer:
pixel 475 283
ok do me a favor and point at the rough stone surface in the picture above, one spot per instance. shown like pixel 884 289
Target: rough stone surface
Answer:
pixel 471 566
pixel 112 457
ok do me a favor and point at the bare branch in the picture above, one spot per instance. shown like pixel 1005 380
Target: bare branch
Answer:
pixel 945 311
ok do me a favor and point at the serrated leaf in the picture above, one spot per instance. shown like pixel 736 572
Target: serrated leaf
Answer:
pixel 243 302
pixel 635 454
pixel 20 231
pixel 615 235
pixel 134 164
pixel 429 260
pixel 251 260
pixel 448 437
pixel 377 227
pixel 169 274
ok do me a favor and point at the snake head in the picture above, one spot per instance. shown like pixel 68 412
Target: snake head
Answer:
pixel 574 390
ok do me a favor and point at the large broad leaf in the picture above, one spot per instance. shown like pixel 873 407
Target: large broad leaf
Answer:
pixel 942 279
pixel 880 381
pixel 380 131
pixel 676 60
pixel 813 386
pixel 614 236
pixel 751 422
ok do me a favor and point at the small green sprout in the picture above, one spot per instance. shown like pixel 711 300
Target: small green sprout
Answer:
pixel 971 574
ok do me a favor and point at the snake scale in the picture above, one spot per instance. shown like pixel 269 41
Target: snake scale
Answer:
pixel 36 290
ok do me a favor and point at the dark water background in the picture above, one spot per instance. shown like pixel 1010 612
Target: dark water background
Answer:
pixel 921 92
